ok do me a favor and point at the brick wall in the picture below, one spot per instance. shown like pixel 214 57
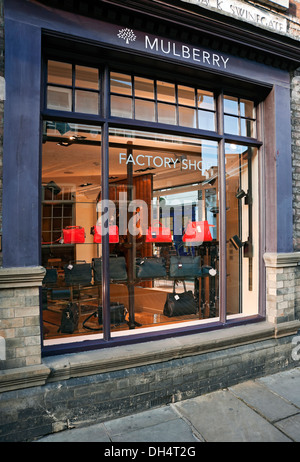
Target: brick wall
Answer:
pixel 20 326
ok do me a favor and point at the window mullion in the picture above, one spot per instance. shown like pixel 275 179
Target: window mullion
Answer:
pixel 222 209
pixel 105 197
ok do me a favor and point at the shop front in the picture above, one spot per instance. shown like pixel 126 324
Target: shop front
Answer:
pixel 148 183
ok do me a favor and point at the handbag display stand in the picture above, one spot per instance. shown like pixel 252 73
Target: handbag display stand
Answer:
pixel 78 276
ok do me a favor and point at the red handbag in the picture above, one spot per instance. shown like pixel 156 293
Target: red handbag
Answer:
pixel 158 234
pixel 198 231
pixel 73 235
pixel 113 232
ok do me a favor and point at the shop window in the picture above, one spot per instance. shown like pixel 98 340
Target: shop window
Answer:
pixel 166 196
pixel 72 88
pixel 163 102
pixel 239 117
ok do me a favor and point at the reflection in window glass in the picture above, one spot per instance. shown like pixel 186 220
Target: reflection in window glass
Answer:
pixel 86 77
pixel 143 88
pixel 59 73
pixel 206 100
pixel 145 110
pixel 231 105
pixel 59 98
pixel 166 114
pixel 187 117
pixel 242 229
pixel 120 83
pixel 121 107
pixel 171 184
pixel 186 95
pixel 166 92
pixel 247 108
pixel 231 125
pixel 206 120
pixel 86 102
pixel 248 128
pixel 70 185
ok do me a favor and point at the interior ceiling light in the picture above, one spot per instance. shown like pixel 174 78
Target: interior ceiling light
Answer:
pixel 53 187
pixel 85 184
pixel 70 140
pixel 145 169
pixel 65 144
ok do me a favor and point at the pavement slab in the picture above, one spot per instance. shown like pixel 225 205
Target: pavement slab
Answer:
pixel 264 401
pixel 221 417
pixel 285 384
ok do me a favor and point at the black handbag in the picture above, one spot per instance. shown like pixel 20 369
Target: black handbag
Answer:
pixel 78 273
pixel 150 267
pixel 69 319
pixel 117 268
pixel 117 313
pixel 185 266
pixel 117 316
pixel 50 276
pixel 180 304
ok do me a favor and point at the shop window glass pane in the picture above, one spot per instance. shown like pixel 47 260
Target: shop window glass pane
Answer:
pixel 231 105
pixel 59 73
pixel 86 77
pixel 205 100
pixel 143 88
pixel 121 107
pixel 86 102
pixel 170 183
pixel 71 172
pixel 145 110
pixel 242 230
pixel 59 99
pixel 186 95
pixel 206 120
pixel 247 108
pixel 120 83
pixel 166 114
pixel 166 92
pixel 248 128
pixel 187 117
pixel 231 125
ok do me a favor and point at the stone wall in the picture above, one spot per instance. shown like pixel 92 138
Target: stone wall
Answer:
pixel 60 404
pixel 20 316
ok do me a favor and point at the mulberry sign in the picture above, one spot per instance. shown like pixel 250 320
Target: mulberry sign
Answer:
pixel 186 52
pixel 245 12
pixel 167 48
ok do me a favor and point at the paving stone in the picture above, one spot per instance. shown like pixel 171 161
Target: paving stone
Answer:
pixel 221 417
pixel 264 401
pixel 286 384
pixel 291 427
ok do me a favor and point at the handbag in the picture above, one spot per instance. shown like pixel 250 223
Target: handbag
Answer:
pixel 117 313
pixel 197 232
pixel 50 276
pixel 113 232
pixel 180 304
pixel 69 319
pixel 150 267
pixel 117 316
pixel 158 234
pixel 73 235
pixel 78 272
pixel 185 266
pixel 117 268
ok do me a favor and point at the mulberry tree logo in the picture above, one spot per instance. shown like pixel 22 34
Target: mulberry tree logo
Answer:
pixel 127 34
